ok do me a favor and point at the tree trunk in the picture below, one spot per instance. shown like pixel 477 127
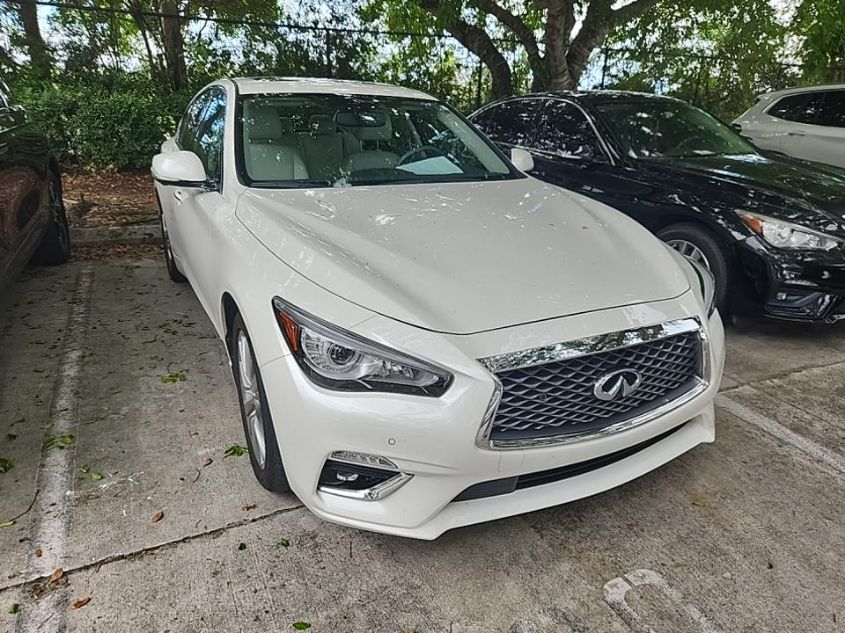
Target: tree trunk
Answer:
pixel 39 54
pixel 174 52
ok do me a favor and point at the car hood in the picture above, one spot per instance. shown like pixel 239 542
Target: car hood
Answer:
pixel 463 257
pixel 798 191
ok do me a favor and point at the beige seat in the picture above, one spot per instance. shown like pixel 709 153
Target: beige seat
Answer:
pixel 371 155
pixel 269 153
pixel 322 147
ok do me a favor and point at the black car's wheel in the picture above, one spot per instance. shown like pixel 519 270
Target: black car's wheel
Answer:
pixel 258 425
pixel 55 244
pixel 698 244
pixel 172 269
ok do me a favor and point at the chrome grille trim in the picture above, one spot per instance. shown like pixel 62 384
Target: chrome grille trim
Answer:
pixel 583 347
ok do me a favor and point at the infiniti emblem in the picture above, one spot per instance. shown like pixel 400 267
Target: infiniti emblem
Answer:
pixel 617 384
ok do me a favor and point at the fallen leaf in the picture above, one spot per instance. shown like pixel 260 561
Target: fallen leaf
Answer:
pixel 235 450
pixel 78 604
pixel 247 507
pixel 38 552
pixel 5 465
pixel 177 376
pixel 301 626
pixel 158 516
pixel 283 542
pixel 96 476
pixel 241 546
pixel 9 523
pixel 771 564
pixel 208 462
pixel 57 575
pixel 727 575
pixel 14 608
pixel 85 469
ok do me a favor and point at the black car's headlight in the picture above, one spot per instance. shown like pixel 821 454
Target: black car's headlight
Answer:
pixel 782 234
pixel 335 358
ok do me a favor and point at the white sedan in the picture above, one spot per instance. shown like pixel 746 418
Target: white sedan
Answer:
pixel 422 336
pixel 806 123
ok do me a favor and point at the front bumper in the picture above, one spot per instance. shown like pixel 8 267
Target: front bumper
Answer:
pixel 434 439
pixel 792 286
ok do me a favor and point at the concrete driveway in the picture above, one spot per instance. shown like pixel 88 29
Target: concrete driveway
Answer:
pixel 116 409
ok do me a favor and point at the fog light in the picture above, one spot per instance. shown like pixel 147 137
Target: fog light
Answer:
pixel 357 481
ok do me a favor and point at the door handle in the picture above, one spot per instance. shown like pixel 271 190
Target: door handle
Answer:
pixel 179 195
pixel 796 134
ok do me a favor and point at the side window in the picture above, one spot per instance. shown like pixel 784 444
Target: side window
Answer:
pixel 482 120
pixel 833 109
pixel 567 133
pixel 209 141
pixel 512 122
pixel 189 125
pixel 800 108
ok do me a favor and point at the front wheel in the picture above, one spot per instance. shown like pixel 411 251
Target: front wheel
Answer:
pixel 55 244
pixel 258 424
pixel 699 245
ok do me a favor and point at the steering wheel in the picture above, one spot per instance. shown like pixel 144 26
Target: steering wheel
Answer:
pixel 423 149
pixel 687 141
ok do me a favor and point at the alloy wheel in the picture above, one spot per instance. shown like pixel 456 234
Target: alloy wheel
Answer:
pixel 691 252
pixel 251 400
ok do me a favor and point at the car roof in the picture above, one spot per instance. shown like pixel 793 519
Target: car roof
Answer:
pixel 311 85
pixel 801 89
pixel 598 96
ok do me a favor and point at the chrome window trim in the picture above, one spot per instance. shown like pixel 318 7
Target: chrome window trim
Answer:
pixel 585 347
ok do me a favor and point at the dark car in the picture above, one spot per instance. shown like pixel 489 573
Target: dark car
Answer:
pixel 32 216
pixel 771 229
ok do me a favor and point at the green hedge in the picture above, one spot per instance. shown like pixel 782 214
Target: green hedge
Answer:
pixel 102 126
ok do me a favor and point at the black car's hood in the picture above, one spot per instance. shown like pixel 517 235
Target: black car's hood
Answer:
pixel 798 191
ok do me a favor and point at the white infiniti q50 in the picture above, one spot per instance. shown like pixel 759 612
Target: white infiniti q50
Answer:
pixel 421 335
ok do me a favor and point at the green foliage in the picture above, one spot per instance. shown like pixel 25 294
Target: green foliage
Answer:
pixel 103 124
pixel 821 23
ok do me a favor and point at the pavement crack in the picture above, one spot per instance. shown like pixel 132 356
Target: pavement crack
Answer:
pixel 138 553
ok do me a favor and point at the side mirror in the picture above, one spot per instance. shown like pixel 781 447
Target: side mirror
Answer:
pixel 179 168
pixel 521 159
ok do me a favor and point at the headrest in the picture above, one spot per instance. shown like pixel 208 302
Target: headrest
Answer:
pixel 321 124
pixel 366 125
pixel 262 122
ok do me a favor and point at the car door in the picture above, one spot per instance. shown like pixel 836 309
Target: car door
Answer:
pixel 197 209
pixel 811 125
pixel 24 154
pixel 171 196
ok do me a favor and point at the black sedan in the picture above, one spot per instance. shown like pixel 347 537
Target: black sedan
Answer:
pixel 771 229
pixel 32 217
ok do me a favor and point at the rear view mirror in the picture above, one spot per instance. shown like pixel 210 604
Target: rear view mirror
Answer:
pixel 179 168
pixel 521 159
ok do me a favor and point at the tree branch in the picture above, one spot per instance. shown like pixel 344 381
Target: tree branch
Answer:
pixel 477 41
pixel 514 23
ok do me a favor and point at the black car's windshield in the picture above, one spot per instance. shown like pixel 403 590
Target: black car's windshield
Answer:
pixel 649 128
pixel 312 140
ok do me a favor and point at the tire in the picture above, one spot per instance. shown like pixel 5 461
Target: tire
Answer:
pixel 169 261
pixel 55 243
pixel 269 471
pixel 708 245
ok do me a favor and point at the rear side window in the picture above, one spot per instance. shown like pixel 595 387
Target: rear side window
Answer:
pixel 833 109
pixel 801 108
pixel 567 133
pixel 512 122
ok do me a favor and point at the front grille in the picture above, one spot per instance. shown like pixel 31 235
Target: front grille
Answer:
pixel 556 398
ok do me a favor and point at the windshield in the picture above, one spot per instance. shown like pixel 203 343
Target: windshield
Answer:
pixel 328 140
pixel 651 128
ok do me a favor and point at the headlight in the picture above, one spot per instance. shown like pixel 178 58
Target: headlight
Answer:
pixel 787 235
pixel 335 358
